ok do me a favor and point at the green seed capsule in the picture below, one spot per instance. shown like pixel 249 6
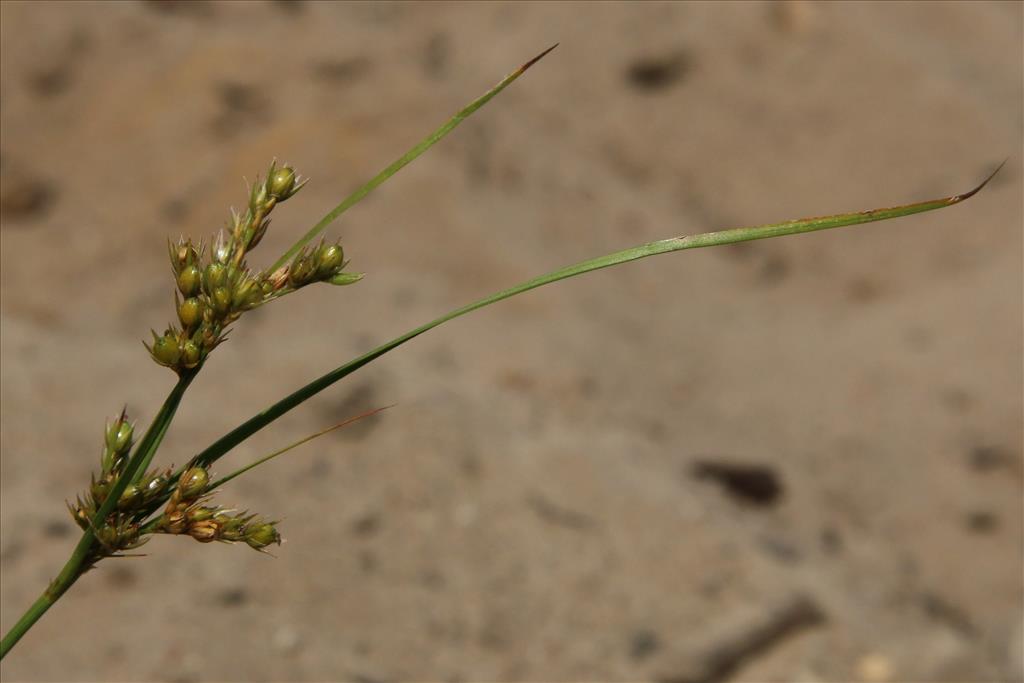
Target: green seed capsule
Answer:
pixel 231 274
pixel 281 183
pixel 190 354
pixel 247 292
pixel 230 525
pixel 182 255
pixel 190 280
pixel 130 497
pixel 200 514
pixel 193 482
pixel 302 271
pixel 81 516
pixel 259 536
pixel 190 312
pixel 208 338
pixel 119 436
pixel 214 277
pixel 153 488
pixel 221 300
pixel 329 258
pixel 166 350
pixel 107 536
pixel 99 490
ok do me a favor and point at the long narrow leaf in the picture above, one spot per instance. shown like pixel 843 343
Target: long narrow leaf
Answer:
pixel 404 160
pixel 708 239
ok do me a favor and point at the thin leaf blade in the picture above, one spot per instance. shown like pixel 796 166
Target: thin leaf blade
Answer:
pixel 405 160
pixel 708 239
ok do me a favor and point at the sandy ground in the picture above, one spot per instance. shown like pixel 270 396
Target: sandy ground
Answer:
pixel 789 460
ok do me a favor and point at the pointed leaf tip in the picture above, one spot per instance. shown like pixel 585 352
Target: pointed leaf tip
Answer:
pixel 536 59
pixel 404 160
pixel 967 195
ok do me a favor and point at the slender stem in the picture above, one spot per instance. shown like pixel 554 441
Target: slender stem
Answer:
pixel 69 574
pixel 83 554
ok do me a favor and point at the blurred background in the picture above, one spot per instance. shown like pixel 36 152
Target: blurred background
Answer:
pixel 797 459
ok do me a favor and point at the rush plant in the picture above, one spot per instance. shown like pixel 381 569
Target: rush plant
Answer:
pixel 129 501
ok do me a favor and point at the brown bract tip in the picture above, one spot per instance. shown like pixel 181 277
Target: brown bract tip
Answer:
pixel 536 59
pixel 967 195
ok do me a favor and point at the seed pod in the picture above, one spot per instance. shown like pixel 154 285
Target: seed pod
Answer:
pixel 247 293
pixel 190 312
pixel 117 442
pixel 232 273
pixel 200 514
pixel 221 301
pixel 191 354
pixel 190 280
pixel 174 522
pixel 107 536
pixel 232 527
pixel 302 270
pixel 329 259
pixel 120 535
pixel 281 183
pixel 205 531
pixel 182 254
pixel 80 514
pixel 278 279
pixel 99 489
pixel 193 482
pixel 262 534
pixel 130 497
pixel 119 434
pixel 207 338
pixel 154 487
pixel 166 350
pixel 214 276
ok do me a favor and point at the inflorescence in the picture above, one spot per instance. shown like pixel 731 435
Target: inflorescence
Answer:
pixel 214 288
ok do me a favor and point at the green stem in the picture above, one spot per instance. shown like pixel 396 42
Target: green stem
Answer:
pixel 708 239
pixel 83 555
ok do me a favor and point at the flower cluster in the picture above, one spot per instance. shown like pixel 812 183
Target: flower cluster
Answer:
pixel 187 512
pixel 215 288
pixel 120 531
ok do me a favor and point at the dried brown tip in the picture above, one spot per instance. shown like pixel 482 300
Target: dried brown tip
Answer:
pixel 536 59
pixel 967 195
